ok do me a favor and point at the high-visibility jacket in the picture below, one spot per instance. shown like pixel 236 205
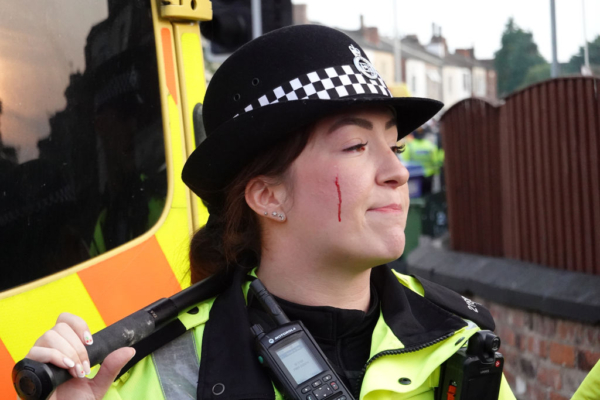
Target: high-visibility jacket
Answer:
pixel 425 153
pixel 227 363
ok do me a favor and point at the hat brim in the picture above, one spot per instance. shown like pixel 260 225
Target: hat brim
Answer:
pixel 240 139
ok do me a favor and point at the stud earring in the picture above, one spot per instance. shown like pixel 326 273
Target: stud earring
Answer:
pixel 281 217
pixel 274 214
pixel 266 213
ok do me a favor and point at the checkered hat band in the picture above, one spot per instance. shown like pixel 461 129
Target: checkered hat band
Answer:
pixel 325 84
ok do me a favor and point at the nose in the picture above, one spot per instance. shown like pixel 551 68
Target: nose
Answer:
pixel 391 171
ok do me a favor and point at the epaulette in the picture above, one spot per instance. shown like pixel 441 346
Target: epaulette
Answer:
pixel 457 304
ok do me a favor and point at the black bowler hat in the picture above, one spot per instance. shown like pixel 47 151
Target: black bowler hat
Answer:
pixel 276 84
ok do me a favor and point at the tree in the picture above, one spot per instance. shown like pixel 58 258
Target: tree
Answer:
pixel 535 74
pixel 515 58
pixel 577 60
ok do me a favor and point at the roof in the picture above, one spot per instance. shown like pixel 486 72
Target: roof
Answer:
pixel 458 60
pixel 488 64
pixel 409 48
pixel 362 42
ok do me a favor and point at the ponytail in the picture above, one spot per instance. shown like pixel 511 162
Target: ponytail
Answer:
pixel 233 236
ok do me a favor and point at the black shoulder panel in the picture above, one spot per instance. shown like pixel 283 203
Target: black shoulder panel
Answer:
pixel 457 304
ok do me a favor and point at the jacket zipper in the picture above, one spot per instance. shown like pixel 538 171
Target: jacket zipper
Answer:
pixel 394 352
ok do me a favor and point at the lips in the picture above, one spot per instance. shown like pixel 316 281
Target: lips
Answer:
pixel 390 208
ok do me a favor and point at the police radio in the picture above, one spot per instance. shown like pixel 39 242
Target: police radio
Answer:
pixel 296 364
pixel 474 372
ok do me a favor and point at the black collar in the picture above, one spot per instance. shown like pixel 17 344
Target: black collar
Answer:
pixel 228 356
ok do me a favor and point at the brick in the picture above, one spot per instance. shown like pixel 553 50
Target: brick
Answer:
pixel 571 379
pixel 587 359
pixel 528 368
pixel 537 346
pixel 591 336
pixel 549 326
pixel 516 318
pixel 565 329
pixel 507 336
pixel 510 378
pixel 562 354
pixel 545 326
pixel 549 376
pixel 498 313
pixel 535 392
pixel 519 342
pixel 556 396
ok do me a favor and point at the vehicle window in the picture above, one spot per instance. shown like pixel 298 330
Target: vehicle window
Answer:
pixel 82 158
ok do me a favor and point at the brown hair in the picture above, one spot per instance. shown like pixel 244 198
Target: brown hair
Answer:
pixel 233 236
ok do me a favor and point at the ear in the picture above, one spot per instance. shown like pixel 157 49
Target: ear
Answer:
pixel 263 196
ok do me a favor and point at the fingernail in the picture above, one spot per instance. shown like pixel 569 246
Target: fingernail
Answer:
pixel 68 362
pixel 86 367
pixel 80 371
pixel 88 338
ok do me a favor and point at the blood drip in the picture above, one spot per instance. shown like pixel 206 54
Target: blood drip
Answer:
pixel 337 184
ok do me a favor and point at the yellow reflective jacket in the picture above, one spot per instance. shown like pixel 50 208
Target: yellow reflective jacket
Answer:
pixel 425 153
pixel 421 366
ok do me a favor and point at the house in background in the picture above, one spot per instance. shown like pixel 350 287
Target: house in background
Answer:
pixel 427 70
pixel 463 75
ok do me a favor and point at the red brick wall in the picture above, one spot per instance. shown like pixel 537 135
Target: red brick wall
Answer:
pixel 546 358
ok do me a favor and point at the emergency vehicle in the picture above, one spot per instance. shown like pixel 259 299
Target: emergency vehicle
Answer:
pixel 96 121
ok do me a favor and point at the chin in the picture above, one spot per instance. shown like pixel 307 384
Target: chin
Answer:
pixel 391 252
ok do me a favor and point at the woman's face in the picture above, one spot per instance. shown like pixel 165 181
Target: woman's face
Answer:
pixel 349 197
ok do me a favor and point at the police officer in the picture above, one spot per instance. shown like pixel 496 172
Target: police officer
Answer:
pixel 426 153
pixel 300 174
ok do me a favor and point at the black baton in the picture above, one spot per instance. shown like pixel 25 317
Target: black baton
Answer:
pixel 37 381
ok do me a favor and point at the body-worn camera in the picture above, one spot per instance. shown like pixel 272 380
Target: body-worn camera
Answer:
pixel 474 372
pixel 296 364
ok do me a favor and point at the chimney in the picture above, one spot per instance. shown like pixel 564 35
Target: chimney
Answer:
pixel 299 14
pixel 362 23
pixel 371 34
pixel 467 53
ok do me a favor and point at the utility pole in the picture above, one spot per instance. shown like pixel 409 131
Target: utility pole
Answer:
pixel 586 70
pixel 554 71
pixel 397 48
pixel 256 18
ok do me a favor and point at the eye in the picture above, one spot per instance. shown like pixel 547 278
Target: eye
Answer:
pixel 399 149
pixel 358 147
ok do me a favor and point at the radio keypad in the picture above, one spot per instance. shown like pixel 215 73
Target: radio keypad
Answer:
pixel 322 388
pixel 322 392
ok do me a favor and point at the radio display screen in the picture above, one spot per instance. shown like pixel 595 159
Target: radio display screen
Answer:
pixel 298 361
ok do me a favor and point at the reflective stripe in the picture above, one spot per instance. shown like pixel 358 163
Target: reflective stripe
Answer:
pixel 177 367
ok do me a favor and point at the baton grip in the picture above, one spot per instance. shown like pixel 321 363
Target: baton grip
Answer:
pixel 37 381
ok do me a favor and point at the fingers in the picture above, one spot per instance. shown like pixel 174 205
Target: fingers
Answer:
pixel 63 345
pixel 76 349
pixel 111 366
pixel 63 352
pixel 77 333
pixel 78 325
pixel 47 355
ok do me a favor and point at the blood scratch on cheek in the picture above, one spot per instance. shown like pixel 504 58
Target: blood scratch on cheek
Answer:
pixel 339 192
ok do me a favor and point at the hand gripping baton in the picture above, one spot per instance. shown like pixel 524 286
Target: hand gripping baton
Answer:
pixel 36 381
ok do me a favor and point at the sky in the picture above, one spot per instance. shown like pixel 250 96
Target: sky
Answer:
pixel 467 23
pixel 38 52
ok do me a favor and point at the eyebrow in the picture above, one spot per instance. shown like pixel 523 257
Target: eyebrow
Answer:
pixel 361 122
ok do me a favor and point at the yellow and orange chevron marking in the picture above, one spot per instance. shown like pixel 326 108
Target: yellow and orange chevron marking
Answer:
pixel 155 265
